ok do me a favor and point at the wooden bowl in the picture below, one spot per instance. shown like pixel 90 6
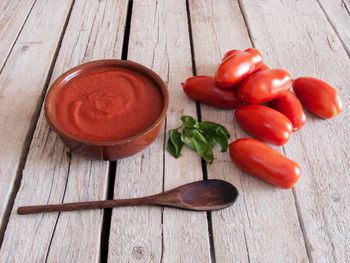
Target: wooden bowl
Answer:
pixel 107 150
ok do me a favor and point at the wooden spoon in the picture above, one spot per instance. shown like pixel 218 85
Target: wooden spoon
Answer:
pixel 200 196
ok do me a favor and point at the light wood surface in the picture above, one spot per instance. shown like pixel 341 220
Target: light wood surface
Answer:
pixel 39 40
pixel 321 146
pixel 51 175
pixel 22 81
pixel 249 224
pixel 13 15
pixel 159 234
pixel 338 15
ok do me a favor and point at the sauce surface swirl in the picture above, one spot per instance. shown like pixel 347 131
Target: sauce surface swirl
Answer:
pixel 109 104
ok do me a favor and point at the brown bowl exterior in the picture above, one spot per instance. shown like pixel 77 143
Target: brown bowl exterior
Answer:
pixel 113 152
pixel 110 150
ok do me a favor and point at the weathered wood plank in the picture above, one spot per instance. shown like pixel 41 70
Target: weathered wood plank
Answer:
pixel 247 230
pixel 94 32
pixel 13 15
pixel 21 83
pixel 159 40
pixel 305 44
pixel 51 175
pixel 338 13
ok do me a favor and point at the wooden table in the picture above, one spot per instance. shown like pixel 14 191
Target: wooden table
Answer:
pixel 40 39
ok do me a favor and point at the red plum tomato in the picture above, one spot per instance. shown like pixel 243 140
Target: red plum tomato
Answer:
pixel 290 106
pixel 230 53
pixel 265 86
pixel 205 89
pixel 262 68
pixel 237 67
pixel 264 123
pixel 265 163
pixel 318 97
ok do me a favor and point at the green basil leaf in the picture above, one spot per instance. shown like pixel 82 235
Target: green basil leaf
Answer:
pixel 189 122
pixel 209 136
pixel 174 144
pixel 222 138
pixel 202 146
pixel 187 136
pixel 212 126
pixel 171 149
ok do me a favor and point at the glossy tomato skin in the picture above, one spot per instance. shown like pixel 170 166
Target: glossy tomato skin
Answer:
pixel 290 106
pixel 265 86
pixel 205 89
pixel 318 97
pixel 262 68
pixel 264 123
pixel 263 162
pixel 236 51
pixel 230 53
pixel 235 68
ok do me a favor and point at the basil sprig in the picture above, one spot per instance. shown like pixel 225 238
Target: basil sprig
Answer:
pixel 199 136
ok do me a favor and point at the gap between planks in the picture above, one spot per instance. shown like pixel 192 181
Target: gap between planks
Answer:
pixel 307 243
pixel 14 43
pixel 33 122
pixel 58 216
pixel 244 15
pixel 305 239
pixel 107 213
pixel 334 27
pixel 199 117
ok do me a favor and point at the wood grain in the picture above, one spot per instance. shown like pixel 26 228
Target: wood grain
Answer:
pixel 246 231
pixel 22 81
pixel 307 224
pixel 51 174
pixel 159 40
pixel 310 47
pixel 338 14
pixel 13 15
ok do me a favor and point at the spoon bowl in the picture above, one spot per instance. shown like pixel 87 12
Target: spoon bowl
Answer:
pixel 205 195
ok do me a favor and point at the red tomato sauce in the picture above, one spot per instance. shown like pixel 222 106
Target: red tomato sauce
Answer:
pixel 105 105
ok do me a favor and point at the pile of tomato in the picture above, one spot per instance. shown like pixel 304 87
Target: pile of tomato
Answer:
pixel 266 108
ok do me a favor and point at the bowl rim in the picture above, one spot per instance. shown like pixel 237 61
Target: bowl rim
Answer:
pixel 73 72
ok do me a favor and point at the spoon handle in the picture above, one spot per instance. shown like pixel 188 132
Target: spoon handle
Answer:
pixel 148 200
